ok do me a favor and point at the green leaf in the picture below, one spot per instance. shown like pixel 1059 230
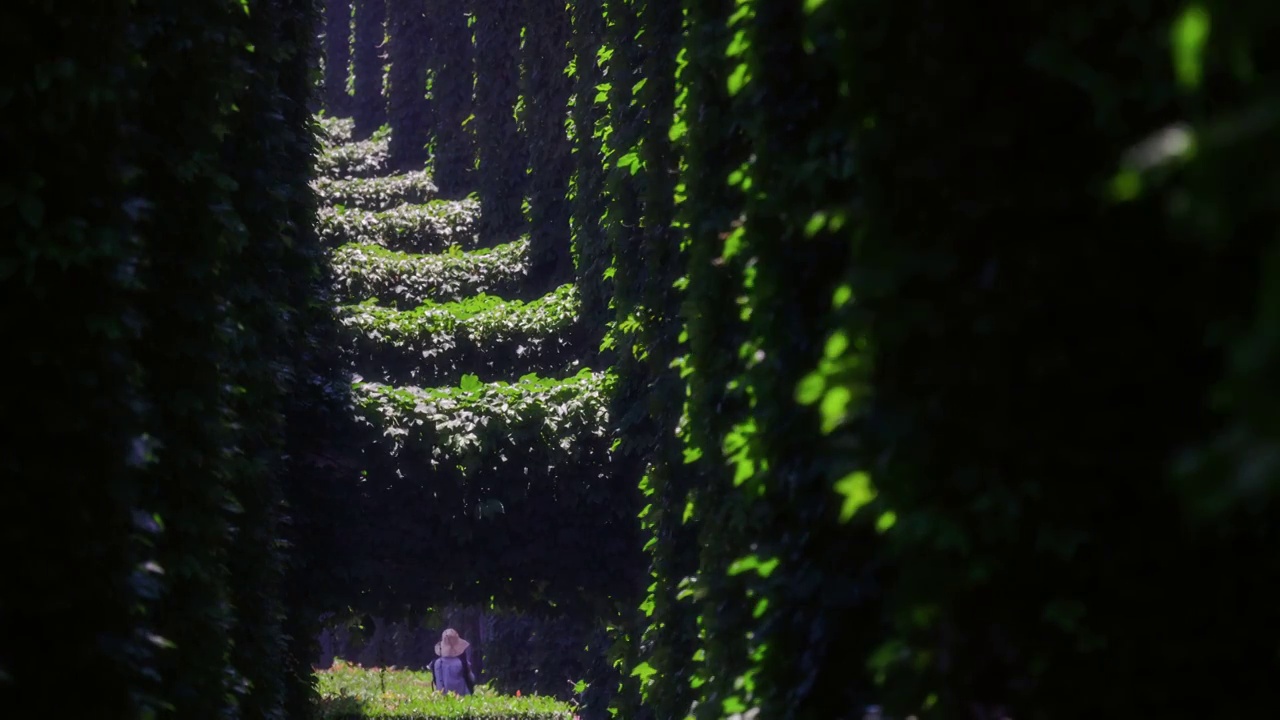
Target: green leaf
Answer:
pixel 810 388
pixel 842 296
pixel 1190 33
pixel 836 345
pixel 764 568
pixel 471 382
pixel 835 407
pixel 857 491
pixel 817 221
pixel 739 78
pixel 886 521
pixel 762 605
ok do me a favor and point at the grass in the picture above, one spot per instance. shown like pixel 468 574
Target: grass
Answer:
pixel 349 692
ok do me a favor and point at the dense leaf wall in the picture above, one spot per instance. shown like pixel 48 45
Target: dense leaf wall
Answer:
pixel 369 105
pixel 501 158
pixel 408 112
pixel 452 96
pixel 938 365
pixel 69 283
pixel 170 281
pixel 547 90
pixel 337 57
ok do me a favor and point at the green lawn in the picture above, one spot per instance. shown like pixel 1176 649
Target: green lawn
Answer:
pixel 348 692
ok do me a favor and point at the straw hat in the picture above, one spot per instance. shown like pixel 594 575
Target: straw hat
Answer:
pixel 450 644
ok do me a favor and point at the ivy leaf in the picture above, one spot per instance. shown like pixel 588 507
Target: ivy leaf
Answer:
pixel 857 491
pixel 739 78
pixel 763 568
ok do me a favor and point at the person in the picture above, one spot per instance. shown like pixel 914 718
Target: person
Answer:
pixel 451 672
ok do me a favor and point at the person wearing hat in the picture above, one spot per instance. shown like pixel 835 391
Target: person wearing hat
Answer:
pixel 451 672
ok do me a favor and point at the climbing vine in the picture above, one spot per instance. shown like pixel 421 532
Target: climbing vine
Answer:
pixel 160 243
pixel 502 157
pixel 369 106
pixel 547 90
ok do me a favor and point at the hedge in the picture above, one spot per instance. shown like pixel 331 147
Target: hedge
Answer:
pixel 357 159
pixel 438 342
pixel 431 227
pixel 406 280
pixel 477 422
pixel 348 692
pixel 333 131
pixel 377 193
pixel 512 477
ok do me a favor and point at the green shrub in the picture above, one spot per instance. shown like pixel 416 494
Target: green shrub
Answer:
pixel 401 279
pixel 349 692
pixel 425 228
pixel 335 130
pixel 378 193
pixel 437 341
pixel 362 159
pixel 478 421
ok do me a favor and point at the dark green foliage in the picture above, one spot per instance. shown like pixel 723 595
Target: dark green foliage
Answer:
pixel 452 87
pixel 801 168
pixel 622 237
pixel 502 159
pixel 405 280
pixel 714 149
pixel 369 106
pixel 265 205
pixel 671 638
pixel 430 227
pixel 1028 489
pixel 337 57
pixel 150 514
pixel 514 473
pixel 545 654
pixel 407 109
pixel 485 335
pixel 379 193
pixel 587 189
pixel 192 232
pixel 68 281
pixel 546 93
pixel 314 409
pixel 899 462
pixel 976 354
pixel 365 159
